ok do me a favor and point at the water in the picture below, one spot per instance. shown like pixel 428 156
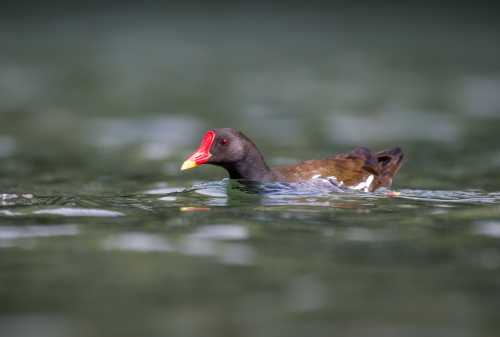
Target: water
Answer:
pixel 102 235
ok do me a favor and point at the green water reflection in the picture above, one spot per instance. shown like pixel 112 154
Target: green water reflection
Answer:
pixel 101 235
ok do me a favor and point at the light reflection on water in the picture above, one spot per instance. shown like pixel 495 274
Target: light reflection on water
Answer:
pixel 78 212
pixel 138 242
pixel 205 241
pixel 314 194
pixel 489 228
pixel 227 193
pixel 100 234
pixel 319 251
pixel 12 236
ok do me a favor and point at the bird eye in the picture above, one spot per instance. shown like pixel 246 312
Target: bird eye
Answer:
pixel 224 141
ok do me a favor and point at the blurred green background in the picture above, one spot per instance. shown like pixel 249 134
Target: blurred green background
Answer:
pixel 101 235
pixel 129 81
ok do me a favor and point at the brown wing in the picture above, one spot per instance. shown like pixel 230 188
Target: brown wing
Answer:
pixel 351 168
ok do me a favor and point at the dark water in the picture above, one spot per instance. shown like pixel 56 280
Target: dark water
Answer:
pixel 101 235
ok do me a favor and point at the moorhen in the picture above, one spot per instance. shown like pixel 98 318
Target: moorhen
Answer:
pixel 360 169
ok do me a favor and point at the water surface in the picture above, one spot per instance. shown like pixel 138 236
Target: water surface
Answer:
pixel 101 235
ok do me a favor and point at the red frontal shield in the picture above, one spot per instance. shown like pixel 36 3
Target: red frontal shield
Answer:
pixel 202 154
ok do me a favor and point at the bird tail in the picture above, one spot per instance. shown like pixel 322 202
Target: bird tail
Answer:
pixel 389 162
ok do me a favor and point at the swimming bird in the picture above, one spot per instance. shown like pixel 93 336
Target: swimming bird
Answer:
pixel 360 169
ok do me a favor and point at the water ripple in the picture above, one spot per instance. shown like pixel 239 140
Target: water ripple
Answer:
pixel 79 212
pixel 224 193
pixel 321 194
pixel 473 197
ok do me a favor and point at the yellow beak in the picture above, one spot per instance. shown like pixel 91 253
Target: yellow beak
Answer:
pixel 188 164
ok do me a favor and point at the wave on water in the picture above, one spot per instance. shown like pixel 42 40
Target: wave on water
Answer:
pixel 467 196
pixel 320 189
pixel 204 195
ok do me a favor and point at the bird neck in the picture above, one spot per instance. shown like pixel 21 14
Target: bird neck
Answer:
pixel 251 167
